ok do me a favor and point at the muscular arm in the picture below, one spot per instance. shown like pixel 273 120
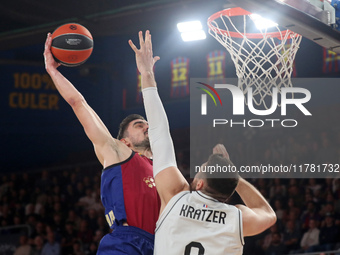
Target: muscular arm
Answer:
pixel 105 146
pixel 169 180
pixel 257 215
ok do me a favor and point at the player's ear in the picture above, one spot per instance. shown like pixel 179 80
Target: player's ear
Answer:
pixel 126 141
pixel 200 184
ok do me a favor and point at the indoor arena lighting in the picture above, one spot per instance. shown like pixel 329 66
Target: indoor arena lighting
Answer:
pixel 262 23
pixel 193 35
pixel 191 31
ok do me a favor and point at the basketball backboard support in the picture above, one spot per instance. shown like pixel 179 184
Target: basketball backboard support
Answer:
pixel 299 16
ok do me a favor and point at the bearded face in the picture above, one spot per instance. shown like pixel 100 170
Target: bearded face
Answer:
pixel 141 144
pixel 137 135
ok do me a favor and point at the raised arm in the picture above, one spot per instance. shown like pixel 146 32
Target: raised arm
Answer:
pixel 257 215
pixel 105 146
pixel 169 180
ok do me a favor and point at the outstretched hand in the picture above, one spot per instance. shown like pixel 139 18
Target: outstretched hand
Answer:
pixel 220 149
pixel 50 63
pixel 144 56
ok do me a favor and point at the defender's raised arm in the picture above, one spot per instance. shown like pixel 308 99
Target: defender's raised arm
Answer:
pixel 169 180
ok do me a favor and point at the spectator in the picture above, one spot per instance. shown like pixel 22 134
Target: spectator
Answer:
pixel 92 217
pixel 295 193
pixel 291 236
pixel 328 209
pixel 37 245
pixel 31 220
pixel 52 247
pixel 56 191
pixel 327 186
pixel 39 230
pixel 58 209
pixel 23 196
pixel 268 238
pixel 19 210
pixel 294 217
pixel 102 224
pixel 86 201
pixel 73 181
pixel 98 235
pixel 292 207
pixel 85 234
pixel 77 248
pixel 308 198
pixel 276 246
pixel 24 248
pixel 277 190
pixel 74 218
pixel 17 220
pixel 310 213
pixel 80 192
pixel 313 185
pixel 97 205
pixel 69 237
pixel 336 187
pixel 87 182
pixel 43 215
pixel 70 195
pixel 92 250
pixel 29 210
pixel 39 197
pixel 337 206
pixel 58 226
pixel 328 234
pixel 279 211
pixel 44 182
pixel 311 237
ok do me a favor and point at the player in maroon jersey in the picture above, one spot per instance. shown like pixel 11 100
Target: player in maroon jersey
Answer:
pixel 127 188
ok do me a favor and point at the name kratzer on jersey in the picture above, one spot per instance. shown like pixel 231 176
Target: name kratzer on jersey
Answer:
pixel 203 214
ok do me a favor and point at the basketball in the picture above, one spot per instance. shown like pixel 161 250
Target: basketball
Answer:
pixel 72 44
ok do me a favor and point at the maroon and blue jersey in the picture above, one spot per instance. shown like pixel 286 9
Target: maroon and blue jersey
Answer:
pixel 129 194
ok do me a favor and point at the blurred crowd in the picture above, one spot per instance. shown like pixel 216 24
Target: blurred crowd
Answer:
pixel 64 214
pixel 62 209
pixel 308 217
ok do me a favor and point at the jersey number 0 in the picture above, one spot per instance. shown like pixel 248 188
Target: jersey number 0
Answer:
pixel 197 245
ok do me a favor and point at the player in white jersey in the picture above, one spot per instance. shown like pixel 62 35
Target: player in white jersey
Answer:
pixel 195 219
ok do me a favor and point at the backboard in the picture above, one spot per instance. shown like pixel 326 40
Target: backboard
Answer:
pixel 317 23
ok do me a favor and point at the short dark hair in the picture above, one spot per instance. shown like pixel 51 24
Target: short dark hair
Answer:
pixel 125 123
pixel 221 185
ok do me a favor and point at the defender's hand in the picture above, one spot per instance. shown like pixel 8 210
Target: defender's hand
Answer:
pixel 144 56
pixel 220 149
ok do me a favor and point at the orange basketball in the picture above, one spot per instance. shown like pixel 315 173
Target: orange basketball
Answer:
pixel 72 44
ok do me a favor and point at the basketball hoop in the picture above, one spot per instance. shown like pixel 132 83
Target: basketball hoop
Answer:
pixel 263 59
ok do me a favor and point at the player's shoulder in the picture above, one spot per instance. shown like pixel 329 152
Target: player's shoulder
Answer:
pixel 180 195
pixel 176 198
pixel 113 152
pixel 119 161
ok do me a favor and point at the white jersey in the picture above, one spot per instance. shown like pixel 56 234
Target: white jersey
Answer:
pixel 196 224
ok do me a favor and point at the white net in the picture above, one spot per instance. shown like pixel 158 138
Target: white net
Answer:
pixel 263 60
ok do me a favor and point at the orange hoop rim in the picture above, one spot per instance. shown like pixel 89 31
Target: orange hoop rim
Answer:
pixel 238 11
